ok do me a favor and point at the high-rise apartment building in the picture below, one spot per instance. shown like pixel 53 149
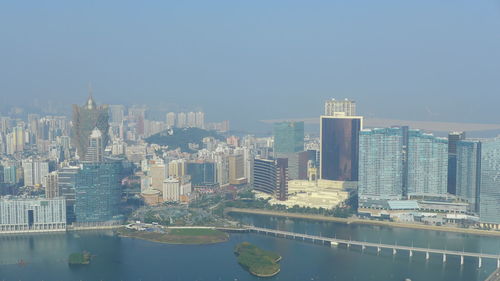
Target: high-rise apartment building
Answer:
pixel 191 119
pixel 177 168
pixel 468 172
pixel 171 119
pixel 117 113
pixel 200 120
pixel 427 164
pixel 381 163
pixel 181 120
pixel 489 207
pixel 10 174
pixel 339 136
pixel 85 119
pixel 343 107
pixel 35 172
pixel 52 187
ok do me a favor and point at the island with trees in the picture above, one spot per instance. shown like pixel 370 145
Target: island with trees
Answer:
pixel 79 258
pixel 258 262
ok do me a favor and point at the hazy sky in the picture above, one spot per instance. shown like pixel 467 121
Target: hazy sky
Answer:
pixel 251 60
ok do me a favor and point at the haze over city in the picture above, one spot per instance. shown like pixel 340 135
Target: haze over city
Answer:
pixel 411 60
pixel 249 140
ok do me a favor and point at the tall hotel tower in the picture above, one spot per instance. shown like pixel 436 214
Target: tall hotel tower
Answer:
pixel 85 119
pixel 339 148
pixel 339 151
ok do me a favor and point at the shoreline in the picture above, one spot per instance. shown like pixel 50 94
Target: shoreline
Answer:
pixel 266 275
pixel 479 232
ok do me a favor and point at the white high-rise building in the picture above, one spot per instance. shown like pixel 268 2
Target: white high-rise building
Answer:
pixel 117 113
pixel 340 107
pixel 181 120
pixel 171 190
pixel 35 172
pixel 171 119
pixel 191 119
pixel 95 151
pixel 177 168
pixel 200 120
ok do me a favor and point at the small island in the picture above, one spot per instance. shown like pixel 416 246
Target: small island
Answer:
pixel 79 258
pixel 176 235
pixel 258 262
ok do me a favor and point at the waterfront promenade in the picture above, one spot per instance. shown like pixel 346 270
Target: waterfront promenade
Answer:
pixel 361 221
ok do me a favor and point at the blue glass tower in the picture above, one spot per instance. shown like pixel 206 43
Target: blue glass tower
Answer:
pixel 98 192
pixel 489 210
pixel 288 137
pixel 468 172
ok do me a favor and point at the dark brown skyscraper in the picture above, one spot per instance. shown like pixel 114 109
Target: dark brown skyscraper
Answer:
pixel 340 147
pixel 85 119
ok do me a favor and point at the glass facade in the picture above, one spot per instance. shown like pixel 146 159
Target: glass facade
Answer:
pixel 66 180
pixel 98 192
pixel 381 163
pixel 468 172
pixel 264 174
pixel 201 173
pixel 489 211
pixel 427 164
pixel 288 137
pixel 271 177
pixel 453 139
pixel 339 148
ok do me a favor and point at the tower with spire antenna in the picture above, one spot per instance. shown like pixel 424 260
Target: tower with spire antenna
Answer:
pixel 86 118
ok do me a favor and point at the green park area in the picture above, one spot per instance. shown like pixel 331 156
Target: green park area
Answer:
pixel 258 262
pixel 177 235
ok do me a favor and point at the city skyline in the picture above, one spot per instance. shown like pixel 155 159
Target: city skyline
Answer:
pixel 199 59
pixel 241 140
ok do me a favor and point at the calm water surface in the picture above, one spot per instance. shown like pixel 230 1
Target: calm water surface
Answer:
pixel 131 259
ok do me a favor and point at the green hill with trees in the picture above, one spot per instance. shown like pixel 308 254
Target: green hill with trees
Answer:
pixel 258 262
pixel 181 138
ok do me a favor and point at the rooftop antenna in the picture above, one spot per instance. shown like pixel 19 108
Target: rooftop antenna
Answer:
pixel 90 89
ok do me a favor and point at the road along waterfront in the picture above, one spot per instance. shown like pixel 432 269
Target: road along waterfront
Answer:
pixel 361 221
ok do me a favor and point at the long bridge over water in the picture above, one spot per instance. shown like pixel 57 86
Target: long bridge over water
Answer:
pixel 378 246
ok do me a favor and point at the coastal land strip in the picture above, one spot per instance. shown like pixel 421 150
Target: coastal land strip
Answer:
pixel 362 221
pixel 194 236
